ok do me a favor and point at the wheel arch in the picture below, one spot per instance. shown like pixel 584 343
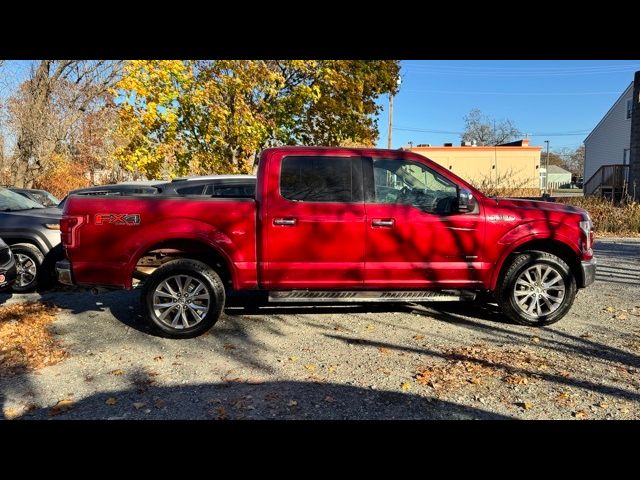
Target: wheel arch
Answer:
pixel 193 248
pixel 564 250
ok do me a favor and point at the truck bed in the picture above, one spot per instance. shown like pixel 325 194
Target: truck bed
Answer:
pixel 115 232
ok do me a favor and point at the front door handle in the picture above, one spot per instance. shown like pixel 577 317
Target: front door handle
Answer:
pixel 285 222
pixel 383 222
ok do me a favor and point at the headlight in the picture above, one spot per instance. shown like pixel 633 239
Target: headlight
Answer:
pixel 52 226
pixel 587 228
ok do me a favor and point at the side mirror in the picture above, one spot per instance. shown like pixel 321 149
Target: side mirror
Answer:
pixel 466 201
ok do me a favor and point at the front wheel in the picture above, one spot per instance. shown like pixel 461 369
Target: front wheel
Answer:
pixel 183 298
pixel 537 289
pixel 28 262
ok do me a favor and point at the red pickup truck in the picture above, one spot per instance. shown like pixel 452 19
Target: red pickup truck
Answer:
pixel 331 225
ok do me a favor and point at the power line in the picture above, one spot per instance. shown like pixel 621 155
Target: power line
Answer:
pixel 448 92
pixel 472 67
pixel 553 134
pixel 515 74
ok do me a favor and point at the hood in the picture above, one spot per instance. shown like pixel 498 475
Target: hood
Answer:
pixel 538 205
pixel 51 213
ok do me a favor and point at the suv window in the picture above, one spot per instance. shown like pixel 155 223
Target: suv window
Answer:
pixel 319 179
pixel 238 190
pixel 191 190
pixel 411 183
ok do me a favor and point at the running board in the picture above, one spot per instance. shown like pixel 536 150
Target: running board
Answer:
pixel 355 296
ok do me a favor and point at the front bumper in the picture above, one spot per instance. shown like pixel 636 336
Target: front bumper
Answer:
pixel 63 272
pixel 588 272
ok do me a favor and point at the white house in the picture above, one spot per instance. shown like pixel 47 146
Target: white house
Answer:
pixel 609 142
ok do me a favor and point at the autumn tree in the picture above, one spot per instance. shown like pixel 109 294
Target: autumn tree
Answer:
pixel 214 116
pixel 488 131
pixel 45 113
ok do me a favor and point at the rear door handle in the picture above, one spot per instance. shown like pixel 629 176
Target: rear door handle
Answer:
pixel 383 222
pixel 285 222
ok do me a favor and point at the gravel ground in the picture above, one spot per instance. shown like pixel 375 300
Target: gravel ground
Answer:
pixel 437 361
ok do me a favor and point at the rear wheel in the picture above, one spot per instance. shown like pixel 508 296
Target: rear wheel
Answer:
pixel 28 262
pixel 183 298
pixel 537 289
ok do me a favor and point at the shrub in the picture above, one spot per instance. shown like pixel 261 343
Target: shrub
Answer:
pixel 608 217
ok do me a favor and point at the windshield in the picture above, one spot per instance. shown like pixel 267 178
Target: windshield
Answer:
pixel 45 198
pixel 10 201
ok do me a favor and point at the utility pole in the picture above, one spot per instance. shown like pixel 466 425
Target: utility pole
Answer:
pixel 546 169
pixel 390 131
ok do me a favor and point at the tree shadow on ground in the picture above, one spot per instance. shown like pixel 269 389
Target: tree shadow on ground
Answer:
pixel 269 400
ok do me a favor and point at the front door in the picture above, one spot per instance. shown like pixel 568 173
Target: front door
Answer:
pixel 416 238
pixel 314 226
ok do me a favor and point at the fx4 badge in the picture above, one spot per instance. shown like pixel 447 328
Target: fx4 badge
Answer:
pixel 117 218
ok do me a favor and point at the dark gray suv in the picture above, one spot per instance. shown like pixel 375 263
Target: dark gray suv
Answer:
pixel 33 233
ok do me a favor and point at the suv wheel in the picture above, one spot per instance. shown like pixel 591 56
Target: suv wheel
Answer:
pixel 537 289
pixel 28 262
pixel 183 298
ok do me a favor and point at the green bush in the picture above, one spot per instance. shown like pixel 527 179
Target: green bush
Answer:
pixel 609 217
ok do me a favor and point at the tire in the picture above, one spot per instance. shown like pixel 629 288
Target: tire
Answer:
pixel 528 301
pixel 28 262
pixel 170 311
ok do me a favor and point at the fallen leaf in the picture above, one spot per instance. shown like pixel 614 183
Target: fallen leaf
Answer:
pixel 138 405
pixel 221 413
pixel 230 346
pixel 11 413
pixel 423 376
pixel 406 386
pixel 158 358
pixel 621 316
pixel 332 369
pixel 516 380
pixel 603 405
pixel 117 372
pixel 384 350
pixel 371 327
pixel 586 335
pixel 418 337
pixel 580 414
pixel 293 358
pixel 339 328
pixel 111 401
pixel 311 367
pixel 609 309
pixel 525 405
pixel 475 380
pixel 159 403
pixel 293 403
pixel 535 340
pixel 61 407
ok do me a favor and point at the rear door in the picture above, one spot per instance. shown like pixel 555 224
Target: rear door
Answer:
pixel 314 223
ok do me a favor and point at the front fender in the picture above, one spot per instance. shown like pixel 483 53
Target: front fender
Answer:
pixel 529 232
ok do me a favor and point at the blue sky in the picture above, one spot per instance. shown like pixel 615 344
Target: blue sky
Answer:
pixel 556 100
pixel 551 99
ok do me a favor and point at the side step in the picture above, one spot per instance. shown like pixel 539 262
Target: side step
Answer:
pixel 355 296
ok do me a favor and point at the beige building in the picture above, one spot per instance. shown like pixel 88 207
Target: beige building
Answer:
pixel 511 169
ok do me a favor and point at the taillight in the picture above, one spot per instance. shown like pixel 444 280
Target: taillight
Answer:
pixel 69 230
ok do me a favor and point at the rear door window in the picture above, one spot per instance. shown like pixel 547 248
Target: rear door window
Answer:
pixel 321 179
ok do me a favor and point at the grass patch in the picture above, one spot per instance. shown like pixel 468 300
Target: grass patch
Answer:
pixel 609 218
pixel 26 343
